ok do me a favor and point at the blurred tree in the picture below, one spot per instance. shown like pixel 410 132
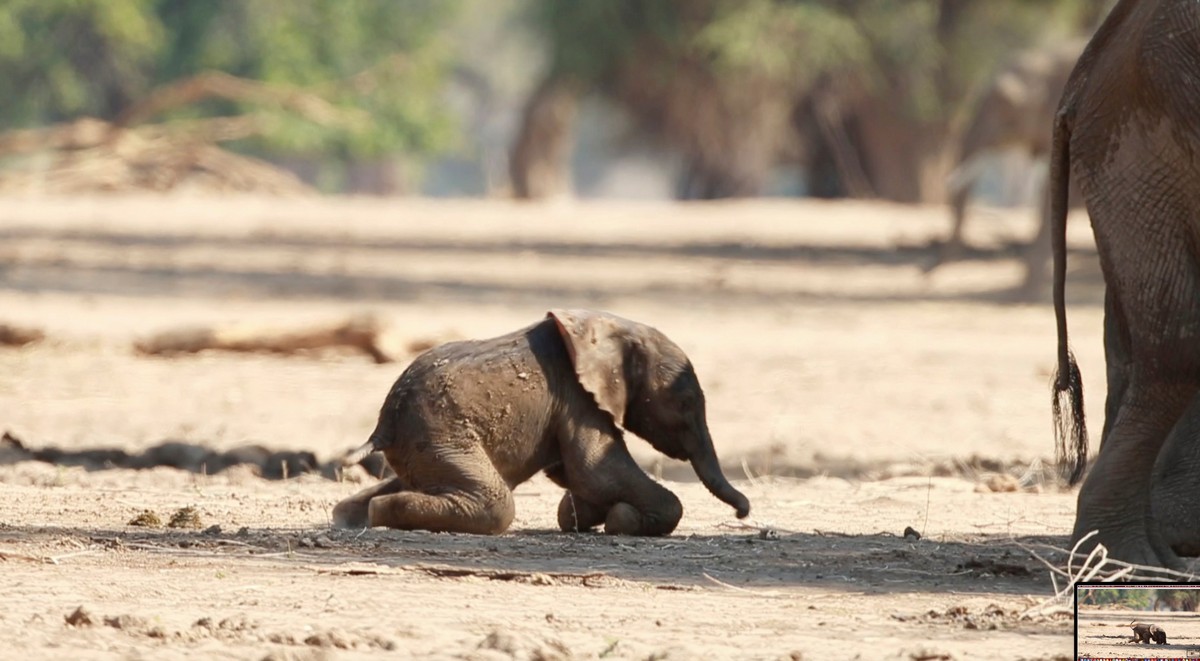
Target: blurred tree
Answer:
pixel 60 59
pixel 1132 598
pixel 865 92
pixel 1177 600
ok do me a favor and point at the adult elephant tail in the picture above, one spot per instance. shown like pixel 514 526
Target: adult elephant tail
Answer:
pixel 1070 425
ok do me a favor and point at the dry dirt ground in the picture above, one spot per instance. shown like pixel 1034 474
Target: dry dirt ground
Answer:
pixel 851 395
pixel 1105 634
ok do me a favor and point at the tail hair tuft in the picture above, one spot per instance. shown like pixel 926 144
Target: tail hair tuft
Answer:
pixel 1070 425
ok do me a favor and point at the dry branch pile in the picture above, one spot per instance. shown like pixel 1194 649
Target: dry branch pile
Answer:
pixel 90 155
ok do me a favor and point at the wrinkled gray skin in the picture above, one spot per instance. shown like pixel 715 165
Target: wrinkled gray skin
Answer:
pixel 469 421
pixel 1016 110
pixel 1128 130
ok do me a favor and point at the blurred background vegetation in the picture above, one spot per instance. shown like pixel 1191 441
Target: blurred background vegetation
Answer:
pixel 536 98
pixel 1142 598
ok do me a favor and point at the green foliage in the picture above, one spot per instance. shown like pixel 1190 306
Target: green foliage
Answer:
pixel 380 56
pixel 924 54
pixel 63 58
pixel 60 59
pixel 592 39
pixel 1178 600
pixel 1133 599
pixel 787 42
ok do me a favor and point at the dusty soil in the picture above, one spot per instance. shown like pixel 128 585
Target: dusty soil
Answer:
pixel 1105 634
pixel 851 395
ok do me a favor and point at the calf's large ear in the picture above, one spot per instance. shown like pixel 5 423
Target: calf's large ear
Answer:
pixel 598 346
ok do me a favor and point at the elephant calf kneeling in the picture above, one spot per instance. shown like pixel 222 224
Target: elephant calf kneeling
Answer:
pixel 1145 633
pixel 468 421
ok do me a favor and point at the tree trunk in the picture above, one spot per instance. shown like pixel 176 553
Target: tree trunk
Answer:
pixel 703 181
pixel 539 164
pixel 375 177
pixel 905 160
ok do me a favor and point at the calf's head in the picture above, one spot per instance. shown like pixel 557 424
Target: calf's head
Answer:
pixel 648 385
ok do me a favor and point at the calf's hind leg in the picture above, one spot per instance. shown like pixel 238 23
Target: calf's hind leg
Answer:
pixel 449 493
pixel 352 512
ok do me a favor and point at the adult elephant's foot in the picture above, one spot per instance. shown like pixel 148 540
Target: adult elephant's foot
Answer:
pixel 1115 498
pixel 1130 543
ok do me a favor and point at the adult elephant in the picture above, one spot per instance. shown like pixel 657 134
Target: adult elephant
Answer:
pixel 1016 110
pixel 1128 130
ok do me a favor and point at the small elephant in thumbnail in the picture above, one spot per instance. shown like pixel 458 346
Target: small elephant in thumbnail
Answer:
pixel 1145 633
pixel 468 421
pixel 1157 633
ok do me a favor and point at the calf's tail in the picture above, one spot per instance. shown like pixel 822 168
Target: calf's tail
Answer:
pixel 379 439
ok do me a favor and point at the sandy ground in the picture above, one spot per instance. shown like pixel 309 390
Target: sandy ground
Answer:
pixel 850 394
pixel 1105 634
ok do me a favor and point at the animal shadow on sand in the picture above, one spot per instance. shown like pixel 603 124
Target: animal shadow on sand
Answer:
pixel 126 279
pixel 740 559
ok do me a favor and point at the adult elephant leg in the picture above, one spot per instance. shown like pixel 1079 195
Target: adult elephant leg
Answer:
pixel 1175 499
pixel 1115 497
pixel 1116 360
pixel 459 492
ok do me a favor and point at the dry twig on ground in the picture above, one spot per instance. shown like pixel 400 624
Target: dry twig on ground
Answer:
pixel 18 336
pixel 365 333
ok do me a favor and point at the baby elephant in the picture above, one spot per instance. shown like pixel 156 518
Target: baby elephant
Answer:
pixel 1144 633
pixel 469 421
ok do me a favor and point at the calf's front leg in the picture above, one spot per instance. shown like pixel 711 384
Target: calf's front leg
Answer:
pixel 604 477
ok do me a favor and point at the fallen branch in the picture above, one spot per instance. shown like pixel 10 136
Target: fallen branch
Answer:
pixel 19 336
pixel 364 333
pixel 757 593
pixel 55 559
pixel 1096 566
pixel 215 129
pixel 446 571
pixel 16 555
pixel 82 133
pixel 161 158
pixel 216 84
